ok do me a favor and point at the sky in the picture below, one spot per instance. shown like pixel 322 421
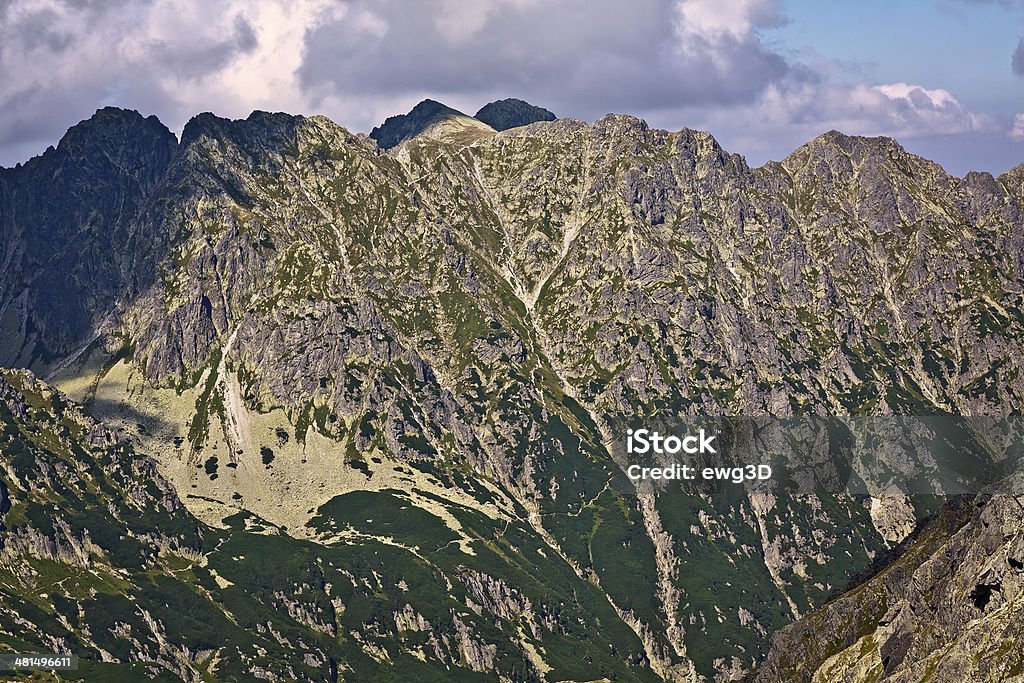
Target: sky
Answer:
pixel 944 77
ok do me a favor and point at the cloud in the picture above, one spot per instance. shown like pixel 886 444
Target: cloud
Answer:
pixel 587 57
pixel 1017 131
pixel 713 18
pixel 791 113
pixel 361 60
pixel 912 111
pixel 62 59
pixel 699 63
pixel 891 109
pixel 1017 62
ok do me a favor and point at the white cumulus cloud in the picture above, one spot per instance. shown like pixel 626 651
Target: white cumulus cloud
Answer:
pixel 714 18
pixel 1017 131
pixel 900 109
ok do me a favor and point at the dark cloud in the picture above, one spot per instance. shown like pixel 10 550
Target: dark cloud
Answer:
pixel 1017 63
pixel 195 61
pixel 588 57
pixel 36 32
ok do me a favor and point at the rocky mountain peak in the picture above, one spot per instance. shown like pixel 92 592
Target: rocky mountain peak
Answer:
pixel 74 201
pixel 269 126
pixel 200 124
pixel 1014 178
pixel 856 148
pixel 122 136
pixel 402 127
pixel 839 164
pixel 512 113
pixel 110 119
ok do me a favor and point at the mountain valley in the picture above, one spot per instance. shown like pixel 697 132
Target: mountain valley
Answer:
pixel 290 402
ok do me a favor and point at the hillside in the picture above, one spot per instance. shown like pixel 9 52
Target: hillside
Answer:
pixel 426 356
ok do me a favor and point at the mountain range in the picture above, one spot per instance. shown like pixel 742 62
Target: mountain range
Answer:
pixel 294 403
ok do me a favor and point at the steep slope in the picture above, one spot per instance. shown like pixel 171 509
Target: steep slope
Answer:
pixel 466 326
pixel 948 609
pixel 427 117
pixel 66 232
pixel 99 558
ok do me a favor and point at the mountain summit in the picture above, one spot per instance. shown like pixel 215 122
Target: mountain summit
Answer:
pixel 512 113
pixel 424 116
pixel 495 116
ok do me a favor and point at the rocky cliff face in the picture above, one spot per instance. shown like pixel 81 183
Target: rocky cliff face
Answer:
pixel 948 609
pixel 303 327
pixel 67 233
